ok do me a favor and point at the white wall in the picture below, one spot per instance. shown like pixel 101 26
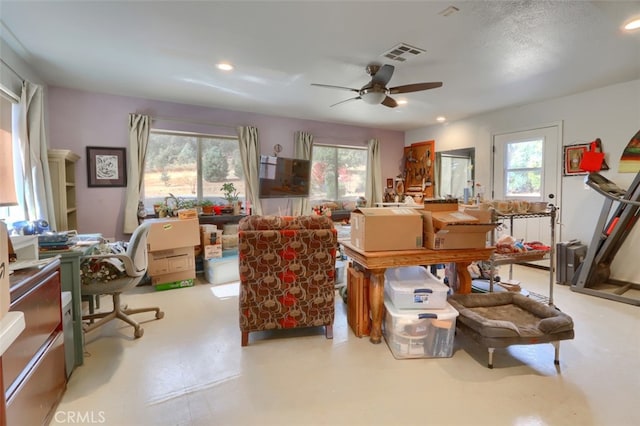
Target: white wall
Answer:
pixel 611 113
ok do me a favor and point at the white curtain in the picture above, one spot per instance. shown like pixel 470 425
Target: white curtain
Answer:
pixel 374 188
pixel 37 193
pixel 250 155
pixel 139 126
pixel 302 149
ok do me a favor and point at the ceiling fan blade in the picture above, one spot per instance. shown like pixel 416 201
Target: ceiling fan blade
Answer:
pixel 336 87
pixel 389 102
pixel 416 87
pixel 383 75
pixel 346 100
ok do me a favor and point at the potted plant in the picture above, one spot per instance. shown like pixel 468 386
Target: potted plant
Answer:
pixel 231 195
pixel 207 207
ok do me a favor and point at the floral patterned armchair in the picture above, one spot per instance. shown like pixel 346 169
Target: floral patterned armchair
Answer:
pixel 287 273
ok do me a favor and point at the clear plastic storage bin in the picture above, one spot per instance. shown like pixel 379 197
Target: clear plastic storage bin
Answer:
pixel 412 333
pixel 414 287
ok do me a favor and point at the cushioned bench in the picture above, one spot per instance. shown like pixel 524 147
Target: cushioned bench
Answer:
pixel 498 320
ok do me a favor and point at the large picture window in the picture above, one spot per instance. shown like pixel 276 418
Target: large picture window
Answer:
pixel 338 173
pixel 191 167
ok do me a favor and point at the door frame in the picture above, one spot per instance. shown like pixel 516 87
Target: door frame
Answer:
pixel 559 155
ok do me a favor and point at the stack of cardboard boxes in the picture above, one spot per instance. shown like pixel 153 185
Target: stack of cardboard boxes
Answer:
pixel 220 263
pixel 210 242
pixel 171 247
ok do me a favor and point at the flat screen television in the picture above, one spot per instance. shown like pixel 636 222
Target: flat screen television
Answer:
pixel 284 177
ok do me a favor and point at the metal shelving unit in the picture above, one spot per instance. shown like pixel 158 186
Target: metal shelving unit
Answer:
pixel 498 259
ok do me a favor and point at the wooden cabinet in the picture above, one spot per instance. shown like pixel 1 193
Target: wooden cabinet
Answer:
pixel 62 168
pixel 33 368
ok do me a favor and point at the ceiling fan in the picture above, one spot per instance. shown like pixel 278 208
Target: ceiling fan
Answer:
pixel 376 91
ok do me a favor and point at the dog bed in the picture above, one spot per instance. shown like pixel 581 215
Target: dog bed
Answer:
pixel 498 320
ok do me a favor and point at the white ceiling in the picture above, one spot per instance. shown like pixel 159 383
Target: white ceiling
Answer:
pixel 489 55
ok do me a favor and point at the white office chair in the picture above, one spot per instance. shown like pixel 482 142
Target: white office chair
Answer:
pixel 135 263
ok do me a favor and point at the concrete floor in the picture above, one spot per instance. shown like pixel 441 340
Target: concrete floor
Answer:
pixel 189 369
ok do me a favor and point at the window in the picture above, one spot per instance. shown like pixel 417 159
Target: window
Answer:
pixel 8 111
pixel 191 167
pixel 523 168
pixel 338 173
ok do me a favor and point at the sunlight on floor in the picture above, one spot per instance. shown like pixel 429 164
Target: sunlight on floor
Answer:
pixel 225 291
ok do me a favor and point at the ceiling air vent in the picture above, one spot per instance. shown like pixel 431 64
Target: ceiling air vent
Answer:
pixel 403 52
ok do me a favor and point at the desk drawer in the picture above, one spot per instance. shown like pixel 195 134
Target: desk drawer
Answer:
pixel 42 315
pixel 35 400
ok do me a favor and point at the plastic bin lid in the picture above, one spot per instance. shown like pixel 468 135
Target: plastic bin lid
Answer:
pixel 409 278
pixel 447 313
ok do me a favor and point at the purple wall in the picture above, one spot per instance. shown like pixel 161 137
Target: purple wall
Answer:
pixel 77 119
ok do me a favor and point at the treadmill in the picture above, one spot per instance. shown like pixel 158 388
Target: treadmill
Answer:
pixel 593 275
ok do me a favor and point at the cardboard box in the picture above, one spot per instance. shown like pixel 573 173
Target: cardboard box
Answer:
pixel 5 297
pixel 441 205
pixel 173 277
pixel 230 241
pixel 169 261
pixel 210 235
pixel 172 233
pixel 175 284
pixel 386 228
pixel 212 251
pixel 455 235
pixel 445 218
pixel 190 282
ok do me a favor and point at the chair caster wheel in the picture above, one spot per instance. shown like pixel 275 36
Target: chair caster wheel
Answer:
pixel 138 333
pixel 160 315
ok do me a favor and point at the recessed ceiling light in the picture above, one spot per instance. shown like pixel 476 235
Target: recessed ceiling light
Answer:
pixel 224 66
pixel 441 119
pixel 402 102
pixel 632 25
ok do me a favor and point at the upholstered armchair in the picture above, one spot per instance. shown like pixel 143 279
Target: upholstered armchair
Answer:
pixel 287 273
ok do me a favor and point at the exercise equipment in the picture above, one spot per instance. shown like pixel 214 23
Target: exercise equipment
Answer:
pixel 593 275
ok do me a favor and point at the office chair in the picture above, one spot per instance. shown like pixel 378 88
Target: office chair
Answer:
pixel 135 263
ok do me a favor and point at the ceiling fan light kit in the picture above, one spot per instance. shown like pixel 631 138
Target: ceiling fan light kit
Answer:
pixel 376 92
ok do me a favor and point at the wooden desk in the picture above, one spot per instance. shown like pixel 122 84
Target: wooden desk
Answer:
pixel 71 281
pixel 377 262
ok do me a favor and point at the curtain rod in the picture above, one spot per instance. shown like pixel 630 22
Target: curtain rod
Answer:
pixel 184 120
pixel 333 138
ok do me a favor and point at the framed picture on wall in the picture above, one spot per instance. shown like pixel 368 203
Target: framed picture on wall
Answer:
pixel 390 183
pixel 572 158
pixel 106 167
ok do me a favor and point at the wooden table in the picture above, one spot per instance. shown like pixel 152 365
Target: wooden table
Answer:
pixel 377 262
